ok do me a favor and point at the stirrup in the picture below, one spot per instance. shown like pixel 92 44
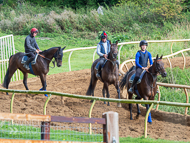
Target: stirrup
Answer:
pixel 131 90
pixel 26 67
pixel 97 75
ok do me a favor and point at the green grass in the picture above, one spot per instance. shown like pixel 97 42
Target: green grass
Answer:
pixel 33 133
pixel 147 140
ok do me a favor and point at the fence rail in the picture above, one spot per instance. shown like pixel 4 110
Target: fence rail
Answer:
pixel 100 99
pixel 121 46
pixel 54 128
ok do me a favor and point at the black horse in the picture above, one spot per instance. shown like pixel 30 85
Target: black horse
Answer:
pixel 147 88
pixel 109 74
pixel 41 67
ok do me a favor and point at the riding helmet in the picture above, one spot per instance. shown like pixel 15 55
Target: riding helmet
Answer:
pixel 34 30
pixel 143 42
pixel 104 35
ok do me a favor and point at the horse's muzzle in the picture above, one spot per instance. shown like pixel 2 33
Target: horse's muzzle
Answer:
pixel 164 74
pixel 115 55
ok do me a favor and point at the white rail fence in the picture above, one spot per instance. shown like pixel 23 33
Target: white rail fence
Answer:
pixel 6 50
pixel 121 46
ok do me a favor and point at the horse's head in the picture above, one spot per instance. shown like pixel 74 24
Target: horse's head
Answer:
pixel 113 51
pixel 58 56
pixel 159 66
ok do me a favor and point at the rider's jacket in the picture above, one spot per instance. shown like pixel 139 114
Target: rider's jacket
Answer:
pixel 103 48
pixel 30 44
pixel 141 59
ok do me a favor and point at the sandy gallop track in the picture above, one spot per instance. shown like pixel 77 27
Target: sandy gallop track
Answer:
pixel 165 125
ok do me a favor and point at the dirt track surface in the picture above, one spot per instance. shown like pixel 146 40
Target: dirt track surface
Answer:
pixel 169 126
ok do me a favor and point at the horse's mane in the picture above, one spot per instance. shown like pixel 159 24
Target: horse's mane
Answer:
pixel 45 51
pixel 150 68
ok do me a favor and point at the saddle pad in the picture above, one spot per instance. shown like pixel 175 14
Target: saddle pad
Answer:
pixel 24 59
pixel 141 76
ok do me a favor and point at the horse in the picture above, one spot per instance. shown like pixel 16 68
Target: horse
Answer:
pixel 41 67
pixel 147 88
pixel 109 74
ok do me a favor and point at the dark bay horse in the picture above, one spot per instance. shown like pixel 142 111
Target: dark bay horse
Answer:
pixel 41 67
pixel 147 87
pixel 109 74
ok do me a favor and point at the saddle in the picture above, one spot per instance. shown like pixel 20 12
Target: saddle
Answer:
pixel 141 76
pixel 25 57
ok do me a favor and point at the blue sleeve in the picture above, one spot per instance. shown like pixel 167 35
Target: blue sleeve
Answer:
pixel 137 60
pixel 99 50
pixel 150 58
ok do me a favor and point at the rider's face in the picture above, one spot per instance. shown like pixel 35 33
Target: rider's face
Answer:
pixel 143 47
pixel 34 34
pixel 104 40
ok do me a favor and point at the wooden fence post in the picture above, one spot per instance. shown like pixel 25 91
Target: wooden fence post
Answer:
pixel 45 131
pixel 111 128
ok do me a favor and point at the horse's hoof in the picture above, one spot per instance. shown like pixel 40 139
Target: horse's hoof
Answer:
pixel 119 105
pixel 150 123
pixel 104 102
pixel 137 117
pixel 7 93
pixel 108 105
pixel 91 101
pixel 131 118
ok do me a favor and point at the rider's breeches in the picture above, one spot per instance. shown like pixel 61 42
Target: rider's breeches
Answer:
pixel 137 76
pixel 101 62
pixel 31 55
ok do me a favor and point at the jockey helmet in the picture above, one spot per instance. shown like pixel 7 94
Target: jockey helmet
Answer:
pixel 104 35
pixel 143 42
pixel 34 30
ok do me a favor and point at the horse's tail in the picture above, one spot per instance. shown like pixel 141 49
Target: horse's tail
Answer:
pixel 6 79
pixel 89 91
pixel 124 80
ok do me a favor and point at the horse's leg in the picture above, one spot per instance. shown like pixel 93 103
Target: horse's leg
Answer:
pixel 43 80
pixel 94 81
pixel 10 71
pixel 103 92
pixel 138 109
pixel 107 91
pixel 118 92
pixel 149 116
pixel 25 80
pixel 130 106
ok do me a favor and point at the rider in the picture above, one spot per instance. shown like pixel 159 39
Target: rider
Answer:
pixel 103 49
pixel 31 47
pixel 141 61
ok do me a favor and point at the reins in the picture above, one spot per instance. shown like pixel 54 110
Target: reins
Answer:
pixel 48 60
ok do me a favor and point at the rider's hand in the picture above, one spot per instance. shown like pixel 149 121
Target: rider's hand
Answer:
pixel 37 51
pixel 105 56
pixel 145 68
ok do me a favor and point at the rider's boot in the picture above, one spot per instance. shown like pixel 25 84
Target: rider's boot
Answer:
pixel 98 70
pixel 26 64
pixel 131 89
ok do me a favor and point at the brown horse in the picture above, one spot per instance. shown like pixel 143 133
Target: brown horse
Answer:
pixel 147 88
pixel 41 67
pixel 109 74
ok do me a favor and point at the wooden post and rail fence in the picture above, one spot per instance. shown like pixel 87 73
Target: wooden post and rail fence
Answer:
pixel 152 102
pixel 109 121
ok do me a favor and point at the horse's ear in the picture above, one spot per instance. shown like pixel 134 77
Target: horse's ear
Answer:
pixel 63 48
pixel 157 57
pixel 116 42
pixel 110 42
pixel 161 57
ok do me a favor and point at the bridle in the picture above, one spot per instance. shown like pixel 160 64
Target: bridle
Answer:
pixel 113 62
pixel 57 53
pixel 154 75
